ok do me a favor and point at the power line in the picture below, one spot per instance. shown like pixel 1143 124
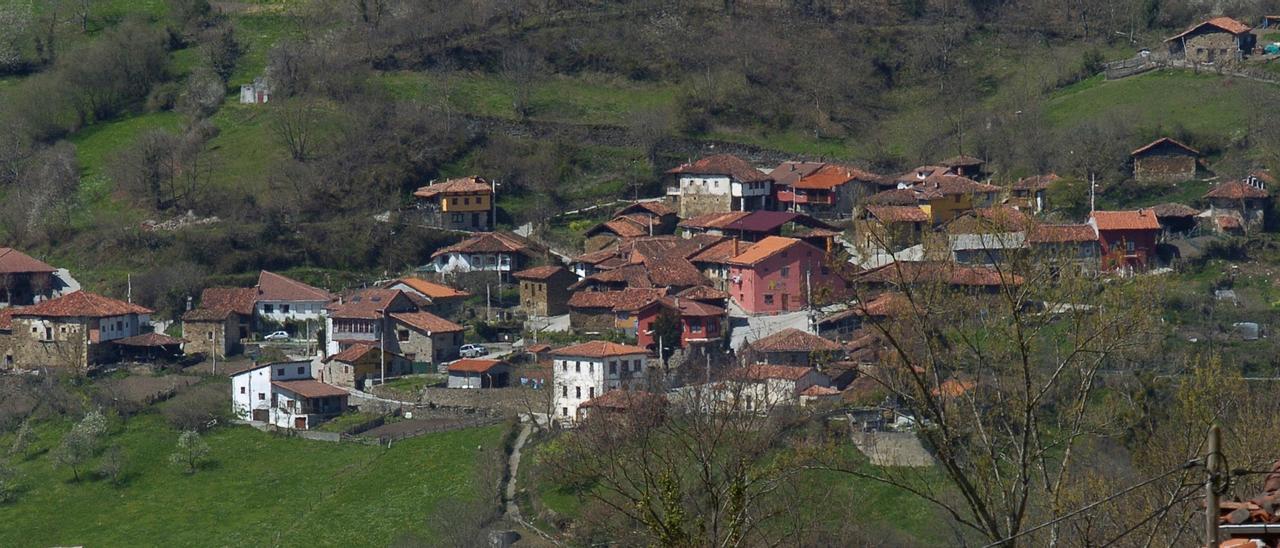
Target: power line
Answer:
pixel 1185 466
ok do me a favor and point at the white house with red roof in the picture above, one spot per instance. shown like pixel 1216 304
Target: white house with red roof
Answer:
pixel 75 331
pixel 281 298
pixel 583 371
pixel 285 394
pixel 722 182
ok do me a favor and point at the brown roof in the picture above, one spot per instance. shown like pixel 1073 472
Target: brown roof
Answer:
pixel 895 197
pixel 489 242
pixel 352 353
pixel 692 308
pixel 1236 190
pixel 961 161
pixel 1226 24
pixel 761 372
pixel 898 214
pixel 669 271
pixel 954 388
pixel 427 322
pixel 794 340
pixel 905 272
pixel 1162 141
pixel 723 164
pixel 620 400
pixel 885 304
pixel 829 177
pixel 13 261
pixel 82 304
pixel 819 391
pixel 233 299
pixel 454 186
pixel 539 272
pixel 1056 234
pixel 152 340
pixel 703 293
pixel 1036 182
pixel 631 276
pixel 719 252
pixel 365 304
pixel 936 186
pixel 1141 219
pixel 599 349
pixel 599 256
pixel 627 300
pixel 274 287
pixel 474 366
pixel 787 173
pixel 206 315
pixel 654 207
pixel 431 289
pixel 6 317
pixel 718 220
pixel 309 388
pixel 765 249
pixel 1174 210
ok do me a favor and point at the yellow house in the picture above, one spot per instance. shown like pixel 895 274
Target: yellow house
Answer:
pixel 945 197
pixel 461 204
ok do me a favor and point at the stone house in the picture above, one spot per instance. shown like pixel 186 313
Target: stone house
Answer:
pixel 223 320
pixel 1221 40
pixel 6 338
pixel 601 311
pixel 794 347
pixel 544 290
pixel 1065 244
pixel 363 317
pixel 720 183
pixel 444 300
pixel 1238 205
pixel 425 339
pixel 361 363
pixel 75 331
pixel 1164 160
pixel 1031 193
pixel 282 299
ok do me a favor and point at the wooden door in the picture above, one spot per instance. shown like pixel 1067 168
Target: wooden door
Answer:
pixel 786 301
pixel 300 423
pixel 260 415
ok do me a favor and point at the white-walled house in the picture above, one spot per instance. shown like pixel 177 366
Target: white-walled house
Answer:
pixel 720 183
pixel 487 251
pixel 74 331
pixel 761 387
pixel 281 298
pixel 286 395
pixel 583 371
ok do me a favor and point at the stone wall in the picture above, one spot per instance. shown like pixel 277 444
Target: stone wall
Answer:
pixel 1168 168
pixel 694 203
pixel 590 319
pixel 1215 47
pixel 68 349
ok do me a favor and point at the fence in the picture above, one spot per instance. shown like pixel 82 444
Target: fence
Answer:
pixel 1137 65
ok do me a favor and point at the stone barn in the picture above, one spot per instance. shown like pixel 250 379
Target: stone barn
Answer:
pixel 1221 40
pixel 1164 160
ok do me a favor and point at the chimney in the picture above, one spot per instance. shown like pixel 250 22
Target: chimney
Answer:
pixel 735 246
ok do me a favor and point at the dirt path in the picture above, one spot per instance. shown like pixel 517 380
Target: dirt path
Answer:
pixel 513 469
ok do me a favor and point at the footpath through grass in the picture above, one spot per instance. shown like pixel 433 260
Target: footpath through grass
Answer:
pixel 258 489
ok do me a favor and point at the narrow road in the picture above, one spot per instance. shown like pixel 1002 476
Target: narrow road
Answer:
pixel 513 468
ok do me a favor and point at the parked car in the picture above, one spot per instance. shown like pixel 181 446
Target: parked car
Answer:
pixel 472 350
pixel 277 336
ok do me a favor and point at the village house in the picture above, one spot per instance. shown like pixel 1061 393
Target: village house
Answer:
pixel 890 228
pixel 362 363
pixel 603 311
pixel 25 280
pixel 713 261
pixel 720 183
pixel 827 191
pixel 473 373
pixel 645 271
pixel 942 197
pixel 220 324
pixel 584 371
pixel 761 388
pixel 544 290
pixel 964 166
pixel 750 226
pixel 623 405
pixel 362 317
pixel 1175 219
pixel 778 275
pixel 1238 205
pixel 700 323
pixel 458 204
pixel 1164 161
pixel 1031 193
pixel 425 339
pixel 6 338
pixel 281 299
pixel 633 221
pixel 75 331
pixel 794 347
pixel 486 252
pixel 1063 245
pixel 1221 40
pixel 285 395
pixel 442 299
pixel 1127 239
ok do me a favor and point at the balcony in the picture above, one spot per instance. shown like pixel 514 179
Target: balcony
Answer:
pixel 673 191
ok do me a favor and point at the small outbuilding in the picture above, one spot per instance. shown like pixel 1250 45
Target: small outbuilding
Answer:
pixel 475 373
pixel 1164 160
pixel 1221 40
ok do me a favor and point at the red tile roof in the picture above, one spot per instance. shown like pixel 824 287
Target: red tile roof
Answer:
pixel 1236 190
pixel 765 249
pixel 13 261
pixel 599 349
pixel 474 366
pixel 6 317
pixel 364 304
pixel 463 185
pixel 352 353
pixel 817 391
pixel 82 304
pixel 489 242
pixel 794 340
pixel 239 300
pixel 898 214
pixel 906 273
pixel 961 161
pixel 539 272
pixel 427 322
pixel 895 197
pixel 432 290
pixel 149 340
pixel 787 173
pixel 723 164
pixel 1141 219
pixel 761 372
pixel 654 207
pixel 889 303
pixel 703 293
pixel 1226 24
pixel 274 287
pixel 693 309
pixel 309 388
pixel 1056 234
pixel 669 271
pixel 830 177
pixel 1161 141
pixel 936 186
pixel 720 251
pixel 1174 210
pixel 713 220
pixel 627 300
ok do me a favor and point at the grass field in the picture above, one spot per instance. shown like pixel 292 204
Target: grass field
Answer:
pixel 258 489
pixel 1202 103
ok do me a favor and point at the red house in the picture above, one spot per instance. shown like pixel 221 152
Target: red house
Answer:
pixel 778 274
pixel 1127 238
pixel 700 322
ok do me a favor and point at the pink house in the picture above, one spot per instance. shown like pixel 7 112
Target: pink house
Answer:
pixel 777 274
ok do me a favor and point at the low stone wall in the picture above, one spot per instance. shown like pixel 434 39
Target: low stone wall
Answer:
pixel 506 400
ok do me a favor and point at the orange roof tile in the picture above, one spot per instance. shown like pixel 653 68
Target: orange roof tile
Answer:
pixel 1227 24
pixel 427 322
pixel 82 304
pixel 1055 234
pixel 464 185
pixel 723 164
pixel 1236 190
pixel 13 261
pixel 829 177
pixel 489 242
pixel 474 366
pixel 765 249
pixel 794 340
pixel 431 289
pixel 275 287
pixel 599 349
pixel 1141 219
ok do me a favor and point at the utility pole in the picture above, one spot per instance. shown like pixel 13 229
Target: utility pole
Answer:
pixel 382 347
pixel 488 303
pixel 1093 182
pixel 1212 463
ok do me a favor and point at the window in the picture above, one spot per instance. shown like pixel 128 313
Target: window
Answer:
pixel 613 368
pixel 577 367
pixel 695 327
pixel 466 201
pixel 402 335
pixel 261 396
pixel 768 298
pixel 564 411
pixel 591 367
pixel 591 392
pixel 284 309
pixel 268 309
pixel 302 370
pixel 635 366
pixel 577 391
pixel 786 271
pixel 211 335
pixel 119 325
pixel 457 217
pixel 564 366
pixel 347 368
pixel 280 372
pixel 1128 246
pixel 241 389
pixel 564 391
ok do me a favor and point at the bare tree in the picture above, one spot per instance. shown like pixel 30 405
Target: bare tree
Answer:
pixel 297 124
pixel 520 67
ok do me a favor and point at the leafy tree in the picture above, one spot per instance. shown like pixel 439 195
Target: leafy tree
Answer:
pixel 79 445
pixel 666 328
pixel 191 450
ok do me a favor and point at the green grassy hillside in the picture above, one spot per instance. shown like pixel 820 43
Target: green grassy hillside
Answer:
pixel 1166 99
pixel 258 489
